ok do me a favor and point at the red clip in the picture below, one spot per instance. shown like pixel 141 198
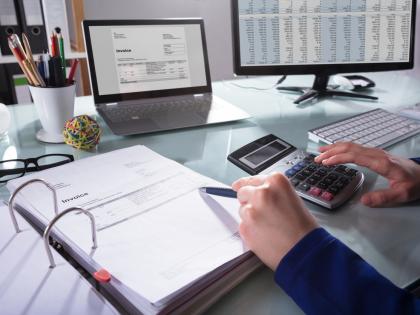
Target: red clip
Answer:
pixel 102 275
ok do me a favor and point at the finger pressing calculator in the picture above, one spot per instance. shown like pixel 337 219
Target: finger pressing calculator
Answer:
pixel 328 186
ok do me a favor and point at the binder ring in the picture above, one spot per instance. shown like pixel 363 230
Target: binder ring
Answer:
pixel 16 192
pixel 58 217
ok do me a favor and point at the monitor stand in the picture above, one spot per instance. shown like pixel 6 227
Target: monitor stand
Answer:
pixel 321 89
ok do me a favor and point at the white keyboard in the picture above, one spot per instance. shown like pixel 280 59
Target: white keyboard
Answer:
pixel 376 128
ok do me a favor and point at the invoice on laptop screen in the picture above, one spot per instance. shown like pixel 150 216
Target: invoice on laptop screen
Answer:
pixel 142 58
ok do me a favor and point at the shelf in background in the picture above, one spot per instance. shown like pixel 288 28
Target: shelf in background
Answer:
pixel 72 55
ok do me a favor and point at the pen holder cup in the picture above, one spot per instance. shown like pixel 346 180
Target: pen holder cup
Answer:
pixel 54 105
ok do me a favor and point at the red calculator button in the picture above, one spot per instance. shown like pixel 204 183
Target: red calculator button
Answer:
pixel 327 196
pixel 315 191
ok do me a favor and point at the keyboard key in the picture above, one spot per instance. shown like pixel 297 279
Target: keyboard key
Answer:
pixel 327 196
pixel 315 191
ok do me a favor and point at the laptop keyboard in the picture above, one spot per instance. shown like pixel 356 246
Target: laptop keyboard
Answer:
pixel 127 112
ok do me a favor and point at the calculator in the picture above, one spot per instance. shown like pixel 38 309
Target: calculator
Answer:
pixel 327 186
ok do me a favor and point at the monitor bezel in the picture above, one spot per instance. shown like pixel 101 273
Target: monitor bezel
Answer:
pixel 319 69
pixel 120 97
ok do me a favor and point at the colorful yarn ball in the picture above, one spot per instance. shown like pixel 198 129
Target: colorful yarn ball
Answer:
pixel 82 132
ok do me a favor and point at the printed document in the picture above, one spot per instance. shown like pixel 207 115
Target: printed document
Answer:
pixel 151 58
pixel 157 233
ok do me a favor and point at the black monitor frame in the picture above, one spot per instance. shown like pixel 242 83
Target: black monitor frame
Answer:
pixel 112 98
pixel 318 69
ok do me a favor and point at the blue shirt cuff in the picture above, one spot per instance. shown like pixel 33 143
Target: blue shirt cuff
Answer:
pixel 308 246
pixel 416 160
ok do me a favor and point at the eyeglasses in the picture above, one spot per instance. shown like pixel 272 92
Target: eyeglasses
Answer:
pixel 12 169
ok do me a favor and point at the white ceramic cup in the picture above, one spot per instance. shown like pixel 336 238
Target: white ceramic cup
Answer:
pixel 55 105
pixel 4 120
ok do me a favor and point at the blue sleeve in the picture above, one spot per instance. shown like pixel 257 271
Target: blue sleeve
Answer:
pixel 417 160
pixel 323 276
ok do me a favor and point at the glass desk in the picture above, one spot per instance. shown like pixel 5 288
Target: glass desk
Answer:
pixel 389 238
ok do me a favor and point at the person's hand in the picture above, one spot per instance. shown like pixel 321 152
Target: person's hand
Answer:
pixel 274 218
pixel 403 174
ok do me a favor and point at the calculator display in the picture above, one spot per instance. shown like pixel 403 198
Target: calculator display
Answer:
pixel 266 153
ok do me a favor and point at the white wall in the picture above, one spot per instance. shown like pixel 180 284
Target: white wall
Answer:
pixel 216 14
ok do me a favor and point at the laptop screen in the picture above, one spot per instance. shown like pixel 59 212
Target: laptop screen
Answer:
pixel 147 57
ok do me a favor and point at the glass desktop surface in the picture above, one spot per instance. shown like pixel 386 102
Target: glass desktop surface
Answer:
pixel 388 238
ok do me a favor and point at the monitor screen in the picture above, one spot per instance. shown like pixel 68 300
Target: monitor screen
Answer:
pixel 300 36
pixel 156 56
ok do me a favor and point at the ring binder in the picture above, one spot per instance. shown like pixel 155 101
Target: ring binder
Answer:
pixel 46 235
pixel 16 192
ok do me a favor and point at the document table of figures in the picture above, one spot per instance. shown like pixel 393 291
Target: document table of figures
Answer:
pixel 284 32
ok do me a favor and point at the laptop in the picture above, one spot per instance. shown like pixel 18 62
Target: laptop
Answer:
pixel 153 75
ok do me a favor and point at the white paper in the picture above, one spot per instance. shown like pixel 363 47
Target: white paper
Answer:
pixel 156 243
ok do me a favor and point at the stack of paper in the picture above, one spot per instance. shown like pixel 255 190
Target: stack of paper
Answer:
pixel 168 247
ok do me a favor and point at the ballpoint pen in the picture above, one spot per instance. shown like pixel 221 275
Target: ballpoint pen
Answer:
pixel 218 191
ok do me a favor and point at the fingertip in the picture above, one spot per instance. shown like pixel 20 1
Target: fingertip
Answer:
pixel 324 148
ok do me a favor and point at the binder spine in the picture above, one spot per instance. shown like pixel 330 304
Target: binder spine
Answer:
pixel 9 24
pixel 33 25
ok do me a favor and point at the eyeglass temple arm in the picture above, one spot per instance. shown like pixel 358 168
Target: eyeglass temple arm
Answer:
pixel 58 217
pixel 16 192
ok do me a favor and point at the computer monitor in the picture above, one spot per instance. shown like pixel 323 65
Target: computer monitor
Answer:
pixel 322 37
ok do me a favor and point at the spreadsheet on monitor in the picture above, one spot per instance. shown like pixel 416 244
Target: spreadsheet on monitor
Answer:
pixel 303 32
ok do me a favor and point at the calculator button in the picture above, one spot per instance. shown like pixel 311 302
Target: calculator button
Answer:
pixel 328 181
pixel 344 181
pixel 295 182
pixel 290 173
pixel 327 196
pixel 302 163
pixel 322 172
pixel 300 177
pixel 334 189
pixel 297 168
pixel 304 186
pixel 332 176
pixel 315 191
pixel 312 168
pixel 307 172
pixel 317 176
pixel 312 180
pixel 322 185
